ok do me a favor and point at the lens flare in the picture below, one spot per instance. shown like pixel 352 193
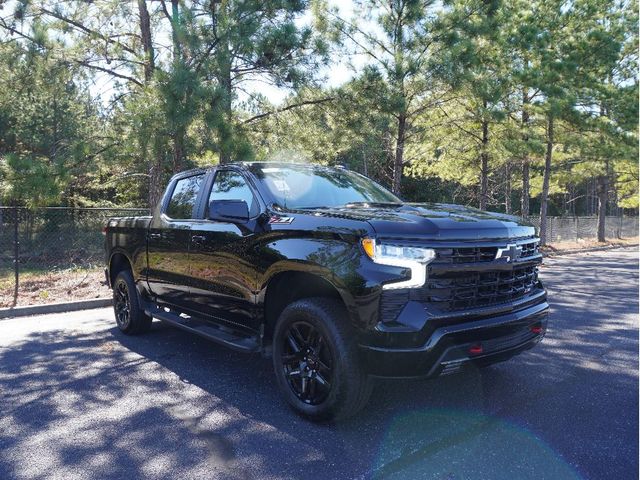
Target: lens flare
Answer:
pixel 455 444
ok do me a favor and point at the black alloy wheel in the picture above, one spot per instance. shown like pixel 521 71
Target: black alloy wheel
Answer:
pixel 127 305
pixel 316 360
pixel 122 305
pixel 307 363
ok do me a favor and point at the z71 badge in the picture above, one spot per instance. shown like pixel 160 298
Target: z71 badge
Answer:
pixel 277 220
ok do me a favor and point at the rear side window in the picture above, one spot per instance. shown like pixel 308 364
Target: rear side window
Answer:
pixel 230 185
pixel 184 197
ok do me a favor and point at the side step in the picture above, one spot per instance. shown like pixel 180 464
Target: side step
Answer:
pixel 206 330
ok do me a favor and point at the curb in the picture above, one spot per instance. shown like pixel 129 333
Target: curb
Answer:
pixel 54 308
pixel 558 253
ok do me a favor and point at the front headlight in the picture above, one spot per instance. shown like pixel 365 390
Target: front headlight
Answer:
pixel 414 258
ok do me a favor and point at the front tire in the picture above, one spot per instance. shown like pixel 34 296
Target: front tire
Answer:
pixel 315 357
pixel 130 317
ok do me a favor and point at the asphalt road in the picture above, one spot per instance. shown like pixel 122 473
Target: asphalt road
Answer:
pixel 80 400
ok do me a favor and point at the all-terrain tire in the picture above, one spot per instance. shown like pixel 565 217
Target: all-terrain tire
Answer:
pixel 350 386
pixel 130 316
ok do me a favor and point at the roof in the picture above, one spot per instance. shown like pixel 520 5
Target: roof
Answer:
pixel 249 166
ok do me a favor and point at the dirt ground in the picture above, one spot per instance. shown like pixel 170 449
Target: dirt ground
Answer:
pixel 68 285
pixel 52 287
pixel 587 243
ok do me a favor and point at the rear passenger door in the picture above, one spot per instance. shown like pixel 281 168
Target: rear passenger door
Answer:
pixel 223 274
pixel 168 242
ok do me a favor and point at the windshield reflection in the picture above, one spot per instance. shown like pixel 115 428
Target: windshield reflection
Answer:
pixel 316 187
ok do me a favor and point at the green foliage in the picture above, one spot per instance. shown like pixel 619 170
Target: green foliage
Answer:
pixel 49 128
pixel 451 99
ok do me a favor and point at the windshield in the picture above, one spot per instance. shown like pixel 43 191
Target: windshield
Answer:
pixel 315 187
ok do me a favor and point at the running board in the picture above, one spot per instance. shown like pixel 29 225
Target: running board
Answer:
pixel 206 330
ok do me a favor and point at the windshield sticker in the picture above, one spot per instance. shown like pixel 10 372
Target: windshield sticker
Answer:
pixel 281 185
pixel 278 220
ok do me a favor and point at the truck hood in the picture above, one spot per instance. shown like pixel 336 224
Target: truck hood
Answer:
pixel 432 221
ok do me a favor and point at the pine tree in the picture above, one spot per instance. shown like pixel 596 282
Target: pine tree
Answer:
pixel 397 39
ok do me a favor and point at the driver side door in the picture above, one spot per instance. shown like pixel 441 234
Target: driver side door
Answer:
pixel 222 267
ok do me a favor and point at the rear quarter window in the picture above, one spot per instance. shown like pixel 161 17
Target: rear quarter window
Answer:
pixel 183 198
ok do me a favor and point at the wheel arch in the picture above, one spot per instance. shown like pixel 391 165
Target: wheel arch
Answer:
pixel 118 262
pixel 285 287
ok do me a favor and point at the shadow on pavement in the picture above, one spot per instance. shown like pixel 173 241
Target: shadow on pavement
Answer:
pixel 94 403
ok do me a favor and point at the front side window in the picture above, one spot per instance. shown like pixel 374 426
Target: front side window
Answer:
pixel 184 197
pixel 230 185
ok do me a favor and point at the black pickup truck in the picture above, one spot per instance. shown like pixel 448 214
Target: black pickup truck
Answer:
pixel 329 274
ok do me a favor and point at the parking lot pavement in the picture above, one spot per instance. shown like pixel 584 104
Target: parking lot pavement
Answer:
pixel 80 400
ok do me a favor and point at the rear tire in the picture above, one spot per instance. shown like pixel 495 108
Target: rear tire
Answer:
pixel 130 317
pixel 315 357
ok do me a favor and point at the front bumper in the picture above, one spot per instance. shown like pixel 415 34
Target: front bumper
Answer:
pixel 450 347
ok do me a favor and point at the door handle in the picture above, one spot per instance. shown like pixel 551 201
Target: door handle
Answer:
pixel 198 238
pixel 155 236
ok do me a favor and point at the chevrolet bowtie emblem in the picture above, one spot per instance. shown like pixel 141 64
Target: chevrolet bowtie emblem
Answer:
pixel 510 252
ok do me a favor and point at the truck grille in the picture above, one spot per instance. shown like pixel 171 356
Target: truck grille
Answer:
pixel 462 290
pixel 471 283
pixel 481 254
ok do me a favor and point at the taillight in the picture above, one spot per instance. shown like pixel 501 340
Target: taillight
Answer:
pixel 104 230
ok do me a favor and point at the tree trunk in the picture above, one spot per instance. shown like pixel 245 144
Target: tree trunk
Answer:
pixel 524 200
pixel 602 190
pixel 155 162
pixel 54 143
pixel 155 182
pixel 484 165
pixel 222 104
pixel 572 194
pixel 399 154
pixel 365 168
pixel 389 150
pixel 180 129
pixel 507 188
pixel 145 35
pixel 175 30
pixel 225 130
pixel 545 181
pixel 178 149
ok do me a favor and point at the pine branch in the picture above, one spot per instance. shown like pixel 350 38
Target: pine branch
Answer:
pixel 459 127
pixel 87 30
pixel 288 107
pixel 110 72
pixel 17 32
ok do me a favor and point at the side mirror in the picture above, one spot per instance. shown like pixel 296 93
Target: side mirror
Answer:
pixel 233 211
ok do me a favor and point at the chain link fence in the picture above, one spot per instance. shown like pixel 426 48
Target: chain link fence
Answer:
pixel 52 254
pixel 57 254
pixel 567 229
